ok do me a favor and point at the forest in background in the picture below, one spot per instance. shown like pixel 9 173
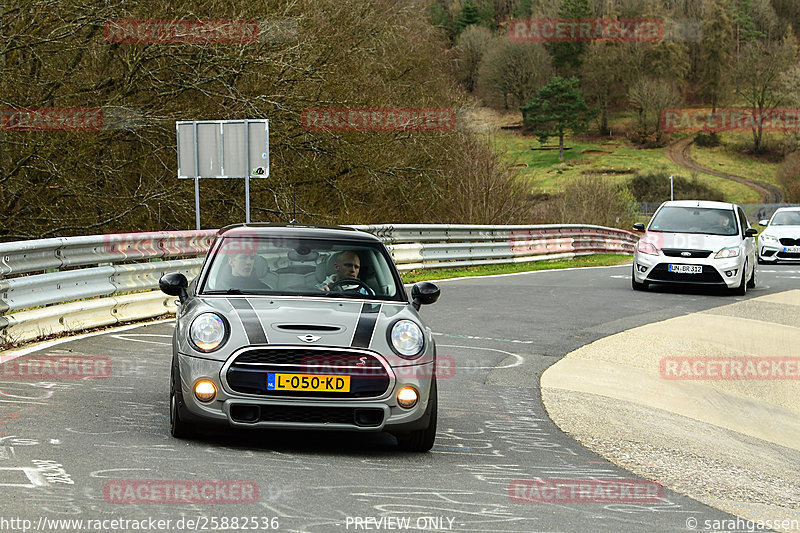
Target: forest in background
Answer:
pixel 348 53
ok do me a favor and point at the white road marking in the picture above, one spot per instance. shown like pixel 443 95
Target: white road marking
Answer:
pixel 128 337
pixel 49 344
pixel 518 362
pixel 474 337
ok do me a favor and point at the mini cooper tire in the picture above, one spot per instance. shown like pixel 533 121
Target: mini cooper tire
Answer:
pixel 422 440
pixel 178 427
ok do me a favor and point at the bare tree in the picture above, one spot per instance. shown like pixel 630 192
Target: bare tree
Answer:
pixel 470 48
pixel 760 77
pixel 649 97
pixel 511 72
pixel 122 176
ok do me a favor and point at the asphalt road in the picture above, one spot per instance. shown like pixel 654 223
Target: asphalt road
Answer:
pixel 66 446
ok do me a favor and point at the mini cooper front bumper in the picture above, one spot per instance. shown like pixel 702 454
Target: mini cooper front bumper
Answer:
pixel 244 398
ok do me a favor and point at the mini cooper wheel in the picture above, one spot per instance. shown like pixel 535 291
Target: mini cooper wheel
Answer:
pixel 422 440
pixel 178 427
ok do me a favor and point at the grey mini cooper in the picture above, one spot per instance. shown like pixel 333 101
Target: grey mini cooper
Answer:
pixel 302 328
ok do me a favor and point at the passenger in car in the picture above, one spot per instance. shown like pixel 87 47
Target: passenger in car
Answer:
pixel 242 274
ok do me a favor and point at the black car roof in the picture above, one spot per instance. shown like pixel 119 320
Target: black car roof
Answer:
pixel 297 230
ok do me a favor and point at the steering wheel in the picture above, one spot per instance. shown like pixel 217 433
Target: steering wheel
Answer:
pixel 347 285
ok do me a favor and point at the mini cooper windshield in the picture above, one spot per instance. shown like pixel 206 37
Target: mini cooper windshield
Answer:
pixel 279 266
pixel 706 221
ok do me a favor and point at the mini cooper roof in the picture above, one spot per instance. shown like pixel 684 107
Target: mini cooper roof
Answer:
pixel 296 230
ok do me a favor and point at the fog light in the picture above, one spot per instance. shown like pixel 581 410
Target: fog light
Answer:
pixel 641 268
pixel 407 397
pixel 730 273
pixel 205 390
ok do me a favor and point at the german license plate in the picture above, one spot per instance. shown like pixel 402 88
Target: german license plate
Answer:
pixel 306 382
pixel 792 250
pixel 686 269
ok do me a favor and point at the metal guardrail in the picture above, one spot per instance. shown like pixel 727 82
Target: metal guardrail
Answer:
pixel 61 285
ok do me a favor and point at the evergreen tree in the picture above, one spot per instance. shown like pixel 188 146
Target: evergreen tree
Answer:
pixel 567 55
pixel 524 9
pixel 469 15
pixel 557 107
pixel 745 26
pixel 716 53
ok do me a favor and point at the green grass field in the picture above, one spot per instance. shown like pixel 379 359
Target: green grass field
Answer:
pixel 728 158
pixel 484 270
pixel 617 160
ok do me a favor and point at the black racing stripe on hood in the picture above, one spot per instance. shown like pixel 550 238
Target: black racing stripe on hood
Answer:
pixel 252 325
pixel 362 336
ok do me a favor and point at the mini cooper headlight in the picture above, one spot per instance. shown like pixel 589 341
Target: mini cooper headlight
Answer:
pixel 727 252
pixel 407 338
pixel 207 332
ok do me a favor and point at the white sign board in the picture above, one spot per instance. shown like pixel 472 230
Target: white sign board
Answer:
pixel 223 148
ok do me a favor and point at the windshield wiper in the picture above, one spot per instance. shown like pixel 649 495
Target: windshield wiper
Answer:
pixel 239 292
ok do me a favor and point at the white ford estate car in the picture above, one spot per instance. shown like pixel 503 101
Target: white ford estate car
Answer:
pixel 695 242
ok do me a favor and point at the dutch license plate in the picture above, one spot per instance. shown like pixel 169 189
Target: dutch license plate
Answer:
pixel 308 382
pixel 792 250
pixel 686 269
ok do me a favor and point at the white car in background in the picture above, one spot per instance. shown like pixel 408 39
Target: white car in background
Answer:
pixel 780 241
pixel 695 242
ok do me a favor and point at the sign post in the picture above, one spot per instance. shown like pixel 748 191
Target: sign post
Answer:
pixel 222 149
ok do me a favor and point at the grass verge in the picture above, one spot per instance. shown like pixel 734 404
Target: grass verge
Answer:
pixel 616 160
pixel 484 270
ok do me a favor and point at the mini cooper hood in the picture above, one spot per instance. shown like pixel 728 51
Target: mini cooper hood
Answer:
pixel 691 241
pixel 315 322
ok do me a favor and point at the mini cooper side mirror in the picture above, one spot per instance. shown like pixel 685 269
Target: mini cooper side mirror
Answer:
pixel 639 226
pixel 174 284
pixel 750 232
pixel 424 293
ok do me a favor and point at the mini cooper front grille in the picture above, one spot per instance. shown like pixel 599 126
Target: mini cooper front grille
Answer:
pixel 709 276
pixel 675 252
pixel 291 356
pixel 788 241
pixel 352 416
pixel 252 370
